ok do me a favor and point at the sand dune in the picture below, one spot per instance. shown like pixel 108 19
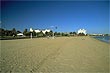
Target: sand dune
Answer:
pixel 62 54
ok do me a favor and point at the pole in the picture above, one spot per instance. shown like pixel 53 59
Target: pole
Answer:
pixel 53 35
pixel 31 35
pixel 53 31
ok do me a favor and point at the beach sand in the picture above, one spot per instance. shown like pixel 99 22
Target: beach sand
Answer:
pixel 59 55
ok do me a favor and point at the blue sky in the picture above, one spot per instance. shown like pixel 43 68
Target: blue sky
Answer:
pixel 66 15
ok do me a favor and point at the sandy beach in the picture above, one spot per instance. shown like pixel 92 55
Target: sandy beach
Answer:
pixel 59 55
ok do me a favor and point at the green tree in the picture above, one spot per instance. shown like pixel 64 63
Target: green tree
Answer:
pixel 55 33
pixel 63 34
pixel 47 33
pixel 74 33
pixel 25 32
pixel 40 34
pixel 59 33
pixel 2 32
pixel 81 34
pixel 71 33
pixel 34 33
pixel 106 34
pixel 18 31
pixel 14 33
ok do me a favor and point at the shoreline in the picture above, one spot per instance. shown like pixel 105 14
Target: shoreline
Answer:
pixel 100 40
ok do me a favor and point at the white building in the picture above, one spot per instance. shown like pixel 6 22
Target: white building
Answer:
pixel 20 34
pixel 46 30
pixel 82 31
pixel 31 30
pixel 37 30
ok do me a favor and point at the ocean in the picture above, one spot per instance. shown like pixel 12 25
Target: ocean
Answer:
pixel 103 38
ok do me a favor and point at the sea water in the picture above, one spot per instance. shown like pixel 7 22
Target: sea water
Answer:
pixel 103 38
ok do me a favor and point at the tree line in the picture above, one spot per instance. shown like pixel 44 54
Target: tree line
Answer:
pixel 39 34
pixel 27 33
pixel 12 32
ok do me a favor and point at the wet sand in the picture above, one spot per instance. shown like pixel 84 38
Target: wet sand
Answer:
pixel 59 55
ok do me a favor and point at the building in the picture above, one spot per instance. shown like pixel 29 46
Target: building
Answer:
pixel 37 30
pixel 20 34
pixel 98 34
pixel 82 31
pixel 46 30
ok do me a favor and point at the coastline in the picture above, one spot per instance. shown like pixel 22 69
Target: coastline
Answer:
pixel 62 54
pixel 102 39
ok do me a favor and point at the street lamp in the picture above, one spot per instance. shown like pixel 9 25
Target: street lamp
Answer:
pixel 53 31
